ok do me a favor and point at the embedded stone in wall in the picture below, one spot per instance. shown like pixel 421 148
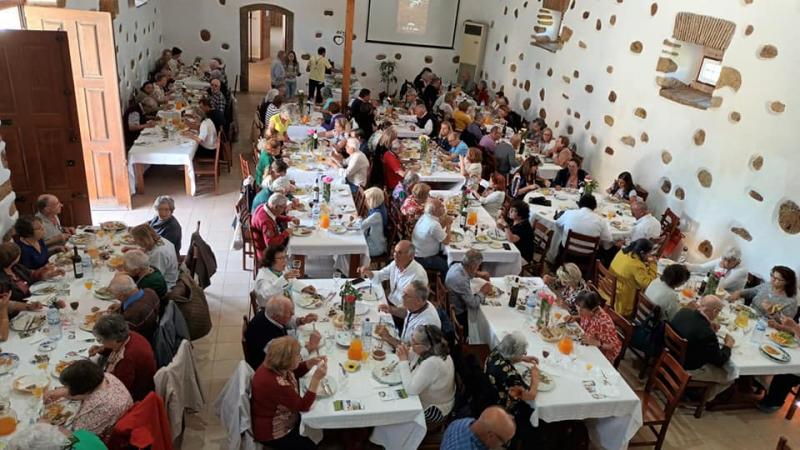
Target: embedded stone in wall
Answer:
pixel 428 59
pixel 570 129
pixel 566 79
pixel 581 44
pixel 589 88
pixel 564 94
pixel 768 51
pixel 612 96
pixel 380 56
pixel 456 59
pixel 704 177
pixel 514 82
pixel 742 233
pixel 749 30
pixel 513 68
pixel 588 124
pixel 526 104
pixel 644 138
pixel 497 47
pixel 527 85
pixel 609 151
pixel 541 94
pixel 789 217
pixel 653 9
pixel 757 162
pixel 577 115
pixel 777 107
pixel 327 12
pixel 593 139
pixel 398 56
pixel 585 15
pixel 666 65
pixel 542 113
pixel 538 66
pixel 756 196
pixel 706 249
pixel 699 137
pixel 205 36
pixel 598 25
pixel 636 47
pixel 735 117
pixel 318 35
pixel 550 72
pixel 222 2
pixel 731 77
pixel 609 120
pixel 306 57
pixel 576 74
pixel 566 34
pixel 521 56
pixel 610 69
pixel 666 186
pixel 640 113
pixel 680 194
pixel 629 141
pixel 613 20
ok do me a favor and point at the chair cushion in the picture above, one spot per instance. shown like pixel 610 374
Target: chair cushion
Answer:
pixel 652 409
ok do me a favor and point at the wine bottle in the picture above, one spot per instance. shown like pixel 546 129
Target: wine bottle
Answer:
pixel 77 266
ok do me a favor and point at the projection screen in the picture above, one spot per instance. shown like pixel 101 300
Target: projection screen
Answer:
pixel 423 23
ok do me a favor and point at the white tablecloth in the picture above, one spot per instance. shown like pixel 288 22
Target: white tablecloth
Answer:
pixel 614 420
pixel 152 148
pixel 548 170
pixel 193 82
pixel 399 424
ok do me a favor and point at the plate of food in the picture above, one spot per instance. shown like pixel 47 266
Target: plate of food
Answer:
pixel 28 383
pixel 496 245
pixel 302 231
pixel 496 292
pixel 8 362
pixel 309 301
pixel 127 240
pixel 60 413
pixel 89 320
pixel 49 288
pixel 63 364
pixel 82 239
pixel 456 237
pixel 387 372
pixel 483 238
pixel 337 229
pixel 115 262
pixel 61 259
pixel 784 339
pixel 27 321
pixel 775 353
pixel 750 311
pixel 367 294
pixel 547 382
pixel 551 334
pixel 113 226
pixel 572 330
pixel 343 339
pixel 103 294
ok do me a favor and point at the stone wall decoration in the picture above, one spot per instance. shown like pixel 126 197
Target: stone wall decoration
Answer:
pixel 598 25
pixel 777 107
pixel 653 9
pixel 636 47
pixel 541 94
pixel 581 44
pixel 666 65
pixel 756 162
pixel 749 30
pixel 589 88
pixel 205 35
pixel 699 137
pixel 612 96
pixel 593 139
pixel 513 68
pixel 629 141
pixel 666 186
pixel 609 151
pixel 742 233
pixel 328 12
pixel 680 194
pixel 380 56
pixel 735 117
pixel 588 124
pixel 398 56
pixel 768 51
pixel 526 104
pixel 610 69
pixel 789 217
pixel 542 113
pixel 731 77
pixel 640 113
pixel 527 85
pixel 566 79
pixel 706 249
pixel 756 196
pixel 612 20
pixel 704 177
pixel 609 120
pixel 644 137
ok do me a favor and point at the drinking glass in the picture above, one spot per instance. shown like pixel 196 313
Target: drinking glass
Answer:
pixel 88 284
pixel 337 278
pixel 296 264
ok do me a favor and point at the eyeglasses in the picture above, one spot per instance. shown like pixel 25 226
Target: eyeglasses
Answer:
pixel 775 278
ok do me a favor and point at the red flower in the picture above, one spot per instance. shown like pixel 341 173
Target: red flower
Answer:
pixel 350 298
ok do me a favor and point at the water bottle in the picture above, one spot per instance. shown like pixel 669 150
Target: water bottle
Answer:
pixel 684 253
pixel 759 331
pixel 86 264
pixel 53 322
pixel 366 334
pixel 315 213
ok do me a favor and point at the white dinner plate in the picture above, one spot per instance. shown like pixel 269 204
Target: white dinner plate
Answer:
pixel 361 308
pixel 343 339
pixel 49 288
pixel 387 371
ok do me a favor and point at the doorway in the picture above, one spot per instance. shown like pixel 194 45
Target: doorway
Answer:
pixel 264 30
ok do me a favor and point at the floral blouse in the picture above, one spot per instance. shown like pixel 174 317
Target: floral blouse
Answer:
pixel 103 407
pixel 568 294
pixel 503 376
pixel 411 209
pixel 601 327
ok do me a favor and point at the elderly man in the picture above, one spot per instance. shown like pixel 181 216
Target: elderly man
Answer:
pixel 217 97
pixel 705 358
pixel 159 87
pixel 426 122
pixel 400 273
pixel 467 85
pixel 216 71
pixel 431 232
pixel 138 306
pixel 146 98
pixel 646 226
pixel 416 311
pixel 55 236
pixel 277 317
pixel 584 221
pixel 489 142
pixel 458 148
pixel 269 223
pixel 505 155
pixel 273 278
pixel 459 285
pixel 137 264
pixel 734 273
pixel 493 429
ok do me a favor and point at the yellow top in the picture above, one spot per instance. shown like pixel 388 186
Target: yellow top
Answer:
pixel 278 125
pixel 462 120
pixel 632 275
pixel 317 67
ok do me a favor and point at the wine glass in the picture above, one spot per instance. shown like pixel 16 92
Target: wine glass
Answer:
pixel 337 278
pixel 74 306
pixel 296 264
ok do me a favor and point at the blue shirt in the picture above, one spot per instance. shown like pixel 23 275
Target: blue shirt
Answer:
pixel 30 258
pixel 132 299
pixel 460 149
pixel 458 436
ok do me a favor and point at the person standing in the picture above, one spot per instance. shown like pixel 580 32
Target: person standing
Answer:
pixel 316 74
pixel 292 72
pixel 278 70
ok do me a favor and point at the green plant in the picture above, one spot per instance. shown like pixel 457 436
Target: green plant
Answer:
pixel 386 69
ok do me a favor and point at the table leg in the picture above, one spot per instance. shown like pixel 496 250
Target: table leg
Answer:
pixel 138 171
pixel 187 180
pixel 355 263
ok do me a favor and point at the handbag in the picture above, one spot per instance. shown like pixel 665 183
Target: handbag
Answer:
pixel 648 335
pixel 191 301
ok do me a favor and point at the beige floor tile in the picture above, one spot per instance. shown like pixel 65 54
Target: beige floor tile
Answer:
pixel 227 351
pixel 229 334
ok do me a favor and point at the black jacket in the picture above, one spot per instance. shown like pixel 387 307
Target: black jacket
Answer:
pixel 562 177
pixel 22 273
pixel 169 230
pixel 703 347
pixel 259 332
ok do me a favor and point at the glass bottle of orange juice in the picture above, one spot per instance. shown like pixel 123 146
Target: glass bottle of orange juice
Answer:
pixel 565 345
pixel 356 349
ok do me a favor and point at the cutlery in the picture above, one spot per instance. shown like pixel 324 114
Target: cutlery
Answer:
pixel 344 372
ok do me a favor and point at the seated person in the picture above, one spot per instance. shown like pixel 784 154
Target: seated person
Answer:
pixel 30 238
pixel 781 385
pixel 160 251
pixel 333 112
pixel 19 278
pixel 403 190
pixel 276 403
pixel 278 125
pixel 138 306
pixel 646 226
pixel 356 166
pixel 527 178
pixel 458 282
pixel 400 272
pixel 272 322
pixel 165 223
pixel 374 225
pixel 431 232
pixel 623 187
pixel 426 122
pixel 473 133
pixel 206 130
pixel 584 221
pixel 134 120
pixel 55 236
pixel 567 284
pixel 414 205
pixel 778 297
pixel 730 270
pixel 443 138
pixel 545 141
pixel 597 325
pixel 489 141
pixel 427 370
pixel 481 94
pixel 471 164
pixel 458 148
pixel 416 311
pixel 705 358
pixel 392 171
pixel 269 151
pixel 268 226
pixel 410 99
pixel 104 399
pixel 461 117
pixel 277 170
pixel 635 267
pixel 494 196
pixel 273 108
pixel 273 279
pixel 137 264
pixel 505 154
pixel 571 177
pixel 662 291
pixel 512 119
pixel 517 228
pixel 493 429
pixel 125 354
pixel 146 99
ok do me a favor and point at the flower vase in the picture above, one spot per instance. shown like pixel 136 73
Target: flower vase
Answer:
pixel 326 192
pixel 349 309
pixel 544 314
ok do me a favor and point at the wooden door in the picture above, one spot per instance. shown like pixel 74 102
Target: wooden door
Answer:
pixel 40 123
pixel 94 71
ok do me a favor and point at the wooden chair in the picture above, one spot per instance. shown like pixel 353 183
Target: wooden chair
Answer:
pixel 245 323
pixel 676 346
pixel 793 405
pixel 624 332
pixel 248 249
pixel 660 398
pixel 226 156
pixel 605 283
pixel 480 351
pixel 244 165
pixel 643 311
pixel 209 167
pixel 459 327
pixel 783 444
pixel 641 192
pixel 360 201
pixel 542 238
pixel 670 234
pixel 669 221
pixel 581 250
pixel 254 308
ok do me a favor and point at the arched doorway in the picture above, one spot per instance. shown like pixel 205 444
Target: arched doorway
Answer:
pixel 245 35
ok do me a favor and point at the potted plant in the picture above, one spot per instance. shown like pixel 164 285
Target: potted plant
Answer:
pixel 386 69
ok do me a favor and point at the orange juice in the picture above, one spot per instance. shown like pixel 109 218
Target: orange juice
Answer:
pixel 38 391
pixel 8 425
pixel 742 319
pixel 565 345
pixel 179 105
pixel 472 218
pixel 93 252
pixel 687 292
pixel 88 284
pixel 324 220
pixel 356 350
pixel 557 315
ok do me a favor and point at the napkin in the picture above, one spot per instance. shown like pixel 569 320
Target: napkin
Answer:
pixel 476 284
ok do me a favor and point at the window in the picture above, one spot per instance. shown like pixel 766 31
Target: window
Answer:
pixel 709 71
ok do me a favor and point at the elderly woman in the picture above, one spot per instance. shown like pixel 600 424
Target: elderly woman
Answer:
pixel 125 354
pixel 623 187
pixel 471 166
pixel 30 238
pixel 356 166
pixel 402 190
pixel 410 99
pixel 729 269
pixel 104 399
pixel 517 228
pixel 18 278
pixel 527 178
pixel 391 170
pixel 276 403
pixel 567 283
pixel 376 221
pixel 278 182
pixel 662 291
pixel 512 390
pixel 160 252
pixel 494 196
pixel 459 284
pixel 273 278
pixel 278 125
pixel 428 371
pixel 598 328
pixel 140 307
pixel 431 232
pixel 778 297
pixel 137 264
pixel 414 206
pixel 165 223
pixel 635 267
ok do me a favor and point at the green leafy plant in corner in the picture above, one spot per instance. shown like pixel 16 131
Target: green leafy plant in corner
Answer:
pixel 388 78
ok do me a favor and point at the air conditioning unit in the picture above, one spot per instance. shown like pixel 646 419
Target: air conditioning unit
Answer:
pixel 473 46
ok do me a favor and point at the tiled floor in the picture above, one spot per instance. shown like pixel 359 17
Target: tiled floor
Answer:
pixel 220 351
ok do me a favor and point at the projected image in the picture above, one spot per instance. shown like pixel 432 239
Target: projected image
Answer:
pixel 709 71
pixel 412 16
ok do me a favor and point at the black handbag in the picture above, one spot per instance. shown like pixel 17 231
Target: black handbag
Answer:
pixel 648 335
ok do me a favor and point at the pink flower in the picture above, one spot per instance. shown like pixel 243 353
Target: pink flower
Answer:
pixel 312 132
pixel 327 179
pixel 588 178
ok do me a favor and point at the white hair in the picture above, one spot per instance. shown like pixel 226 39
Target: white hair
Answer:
pixel 122 284
pixel 472 257
pixel 275 306
pixel 513 345
pixel 732 253
pixel 277 199
pixel 280 184
pixel 136 260
pixel 164 199
pixel 353 143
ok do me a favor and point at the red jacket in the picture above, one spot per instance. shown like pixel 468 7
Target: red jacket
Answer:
pixel 275 403
pixel 137 368
pixel 267 232
pixel 391 165
pixel 145 425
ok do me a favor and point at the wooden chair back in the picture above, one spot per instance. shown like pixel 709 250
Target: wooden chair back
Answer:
pixel 244 165
pixel 253 305
pixel 226 154
pixel 644 308
pixel 480 351
pixel 624 332
pixel 209 167
pixel 581 250
pixel 360 201
pixel 669 379
pixel 542 238
pixel 641 192
pixel 675 344
pixel 783 444
pixel 605 283
pixel 669 222
pixel 245 324
pixel 459 327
